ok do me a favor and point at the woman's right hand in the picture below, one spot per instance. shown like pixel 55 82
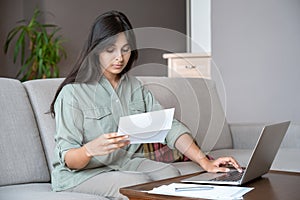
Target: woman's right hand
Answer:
pixel 105 144
pixel 78 158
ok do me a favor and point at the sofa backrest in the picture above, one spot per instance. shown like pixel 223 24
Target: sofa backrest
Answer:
pixel 197 105
pixel 22 158
pixel 41 93
pixel 195 100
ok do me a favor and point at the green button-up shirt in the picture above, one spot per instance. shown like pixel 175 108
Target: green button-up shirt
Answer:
pixel 85 111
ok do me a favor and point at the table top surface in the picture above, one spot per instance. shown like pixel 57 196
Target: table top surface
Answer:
pixel 273 185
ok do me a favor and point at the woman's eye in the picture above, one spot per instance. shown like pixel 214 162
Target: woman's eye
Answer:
pixel 127 49
pixel 110 50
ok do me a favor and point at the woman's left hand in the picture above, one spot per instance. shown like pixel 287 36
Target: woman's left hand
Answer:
pixel 219 164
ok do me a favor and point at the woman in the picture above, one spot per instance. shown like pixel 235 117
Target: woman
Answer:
pixel 87 107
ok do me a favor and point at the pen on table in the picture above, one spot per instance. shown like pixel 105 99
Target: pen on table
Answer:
pixel 179 189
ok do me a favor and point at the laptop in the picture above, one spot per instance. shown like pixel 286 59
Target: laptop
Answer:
pixel 259 164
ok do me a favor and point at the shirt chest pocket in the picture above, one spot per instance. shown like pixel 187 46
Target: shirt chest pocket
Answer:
pixel 96 113
pixel 137 107
pixel 97 121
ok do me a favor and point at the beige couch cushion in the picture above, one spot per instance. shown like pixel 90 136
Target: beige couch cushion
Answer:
pixel 41 93
pixel 41 191
pixel 197 105
pixel 21 153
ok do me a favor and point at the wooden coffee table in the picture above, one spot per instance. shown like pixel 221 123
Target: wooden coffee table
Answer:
pixel 273 185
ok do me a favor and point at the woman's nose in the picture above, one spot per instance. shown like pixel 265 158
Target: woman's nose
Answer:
pixel 119 57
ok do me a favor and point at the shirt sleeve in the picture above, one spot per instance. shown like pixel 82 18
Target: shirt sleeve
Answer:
pixel 177 129
pixel 69 120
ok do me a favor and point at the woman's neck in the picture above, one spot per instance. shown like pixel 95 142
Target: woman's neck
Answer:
pixel 113 79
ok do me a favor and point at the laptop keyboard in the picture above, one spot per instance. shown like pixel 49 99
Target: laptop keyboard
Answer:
pixel 229 176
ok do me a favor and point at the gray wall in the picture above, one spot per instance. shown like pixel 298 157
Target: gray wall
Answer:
pixel 256 47
pixel 76 16
pixel 10 12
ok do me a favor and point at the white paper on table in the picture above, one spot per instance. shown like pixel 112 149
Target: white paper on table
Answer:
pixel 218 192
pixel 147 127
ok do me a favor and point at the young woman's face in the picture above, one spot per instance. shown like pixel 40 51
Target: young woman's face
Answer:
pixel 114 58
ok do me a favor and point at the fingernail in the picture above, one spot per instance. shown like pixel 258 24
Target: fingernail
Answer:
pixel 227 170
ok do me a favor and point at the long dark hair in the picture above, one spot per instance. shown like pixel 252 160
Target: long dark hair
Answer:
pixel 104 29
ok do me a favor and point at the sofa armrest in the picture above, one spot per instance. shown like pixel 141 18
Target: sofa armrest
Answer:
pixel 245 135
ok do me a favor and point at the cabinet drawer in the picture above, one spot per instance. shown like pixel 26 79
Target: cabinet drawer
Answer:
pixel 190 71
pixel 190 67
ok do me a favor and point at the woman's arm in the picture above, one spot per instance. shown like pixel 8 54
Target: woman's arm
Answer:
pixel 186 145
pixel 78 158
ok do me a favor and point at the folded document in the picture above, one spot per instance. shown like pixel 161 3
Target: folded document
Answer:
pixel 147 127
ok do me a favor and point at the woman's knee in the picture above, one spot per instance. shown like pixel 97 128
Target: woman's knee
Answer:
pixel 132 178
pixel 169 172
pixel 158 170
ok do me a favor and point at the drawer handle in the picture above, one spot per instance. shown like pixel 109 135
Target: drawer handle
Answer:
pixel 190 66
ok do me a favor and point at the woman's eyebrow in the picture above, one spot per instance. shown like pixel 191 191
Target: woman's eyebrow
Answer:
pixel 125 45
pixel 110 46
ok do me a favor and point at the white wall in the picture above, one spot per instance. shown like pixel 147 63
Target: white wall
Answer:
pixel 200 26
pixel 256 47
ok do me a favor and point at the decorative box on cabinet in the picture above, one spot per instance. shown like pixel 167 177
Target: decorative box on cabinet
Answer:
pixel 195 65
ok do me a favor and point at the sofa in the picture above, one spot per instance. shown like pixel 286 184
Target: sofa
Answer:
pixel 27 133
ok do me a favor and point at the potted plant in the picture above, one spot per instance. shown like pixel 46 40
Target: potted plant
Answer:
pixel 44 52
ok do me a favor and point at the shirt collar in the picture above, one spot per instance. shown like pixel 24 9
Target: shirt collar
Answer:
pixel 106 84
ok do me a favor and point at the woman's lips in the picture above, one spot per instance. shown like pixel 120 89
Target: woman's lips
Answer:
pixel 117 65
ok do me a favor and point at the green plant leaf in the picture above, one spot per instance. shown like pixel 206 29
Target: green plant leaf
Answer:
pixel 18 45
pixel 40 68
pixel 21 21
pixel 25 66
pixel 23 47
pixel 49 25
pixel 34 18
pixel 10 36
pixel 44 35
pixel 45 47
pixel 54 32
